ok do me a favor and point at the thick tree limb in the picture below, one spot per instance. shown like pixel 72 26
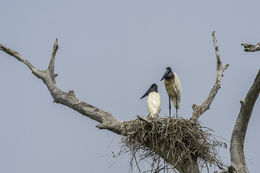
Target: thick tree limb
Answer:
pixel 199 110
pixel 106 120
pixel 250 47
pixel 240 128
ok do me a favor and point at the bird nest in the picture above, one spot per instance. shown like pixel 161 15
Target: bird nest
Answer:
pixel 177 140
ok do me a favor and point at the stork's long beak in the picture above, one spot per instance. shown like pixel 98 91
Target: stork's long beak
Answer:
pixel 147 92
pixel 166 72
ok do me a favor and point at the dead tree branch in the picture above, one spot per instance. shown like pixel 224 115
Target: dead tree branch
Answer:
pixel 106 120
pixel 240 128
pixel 199 110
pixel 250 47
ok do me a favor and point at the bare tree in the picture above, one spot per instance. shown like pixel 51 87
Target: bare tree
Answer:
pixel 109 122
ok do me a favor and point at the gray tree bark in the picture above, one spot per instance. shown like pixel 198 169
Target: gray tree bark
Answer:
pixel 239 132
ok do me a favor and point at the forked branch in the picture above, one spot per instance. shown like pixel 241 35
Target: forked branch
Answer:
pixel 106 120
pixel 199 110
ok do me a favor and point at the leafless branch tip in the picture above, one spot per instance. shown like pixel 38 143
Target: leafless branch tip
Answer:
pixel 199 110
pixel 250 47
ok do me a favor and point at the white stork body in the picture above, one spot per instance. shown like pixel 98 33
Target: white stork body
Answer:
pixel 153 101
pixel 173 88
pixel 154 104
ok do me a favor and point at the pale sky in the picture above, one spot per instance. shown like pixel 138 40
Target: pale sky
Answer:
pixel 110 53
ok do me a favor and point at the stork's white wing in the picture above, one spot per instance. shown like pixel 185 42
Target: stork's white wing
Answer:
pixel 177 85
pixel 154 103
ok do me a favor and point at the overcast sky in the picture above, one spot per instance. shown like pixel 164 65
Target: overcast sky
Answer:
pixel 110 52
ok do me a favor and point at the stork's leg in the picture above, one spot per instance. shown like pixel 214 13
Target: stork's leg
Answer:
pixel 170 107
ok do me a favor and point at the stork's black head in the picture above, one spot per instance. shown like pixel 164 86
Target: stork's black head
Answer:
pixel 168 74
pixel 153 88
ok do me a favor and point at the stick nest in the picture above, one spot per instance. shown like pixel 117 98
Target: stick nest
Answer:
pixel 177 140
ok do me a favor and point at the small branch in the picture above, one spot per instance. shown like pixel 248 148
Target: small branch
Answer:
pixel 250 47
pixel 240 128
pixel 16 55
pixel 52 61
pixel 142 119
pixel 106 120
pixel 199 110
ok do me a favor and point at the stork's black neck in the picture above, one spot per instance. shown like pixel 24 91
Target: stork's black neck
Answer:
pixel 170 75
